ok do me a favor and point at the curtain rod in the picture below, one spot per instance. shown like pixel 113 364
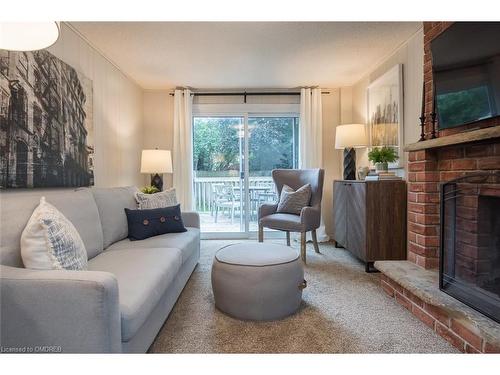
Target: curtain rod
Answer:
pixel 244 93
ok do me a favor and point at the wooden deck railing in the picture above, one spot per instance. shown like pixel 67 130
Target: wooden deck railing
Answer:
pixel 204 188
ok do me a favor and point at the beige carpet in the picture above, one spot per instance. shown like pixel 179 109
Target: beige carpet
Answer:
pixel 343 311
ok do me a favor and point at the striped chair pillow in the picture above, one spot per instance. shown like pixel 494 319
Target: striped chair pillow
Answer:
pixel 162 199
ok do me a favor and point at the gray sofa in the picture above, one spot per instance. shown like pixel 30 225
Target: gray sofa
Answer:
pixel 119 304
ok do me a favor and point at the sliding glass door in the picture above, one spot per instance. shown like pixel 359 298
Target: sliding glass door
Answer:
pixel 272 144
pixel 233 159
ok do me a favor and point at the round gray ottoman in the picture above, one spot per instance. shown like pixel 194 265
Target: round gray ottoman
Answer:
pixel 257 281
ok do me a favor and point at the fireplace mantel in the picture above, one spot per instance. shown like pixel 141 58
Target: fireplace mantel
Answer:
pixel 455 139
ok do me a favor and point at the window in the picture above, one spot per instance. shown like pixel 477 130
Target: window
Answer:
pixel 22 64
pixel 19 107
pixel 4 62
pixel 233 157
pixel 37 118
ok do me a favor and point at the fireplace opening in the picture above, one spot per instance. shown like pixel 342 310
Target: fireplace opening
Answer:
pixel 470 241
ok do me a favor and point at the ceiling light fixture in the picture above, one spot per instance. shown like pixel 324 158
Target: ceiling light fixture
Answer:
pixel 28 36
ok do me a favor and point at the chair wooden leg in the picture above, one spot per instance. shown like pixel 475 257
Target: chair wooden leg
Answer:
pixel 303 246
pixel 287 238
pixel 315 241
pixel 261 233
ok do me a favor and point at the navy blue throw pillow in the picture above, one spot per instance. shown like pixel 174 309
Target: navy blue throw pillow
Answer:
pixel 143 224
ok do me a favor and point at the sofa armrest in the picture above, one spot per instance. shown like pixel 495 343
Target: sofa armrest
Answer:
pixel 59 310
pixel 267 209
pixel 310 217
pixel 191 219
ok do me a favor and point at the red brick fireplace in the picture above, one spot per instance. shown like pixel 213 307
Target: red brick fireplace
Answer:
pixel 429 167
pixel 426 170
pixel 454 153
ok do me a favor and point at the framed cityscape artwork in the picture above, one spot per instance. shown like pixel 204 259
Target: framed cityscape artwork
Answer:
pixel 46 127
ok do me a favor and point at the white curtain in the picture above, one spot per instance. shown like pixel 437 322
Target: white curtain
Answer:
pixel 311 137
pixel 183 148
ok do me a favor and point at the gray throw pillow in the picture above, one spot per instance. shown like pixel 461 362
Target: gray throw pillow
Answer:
pixel 291 201
pixel 161 199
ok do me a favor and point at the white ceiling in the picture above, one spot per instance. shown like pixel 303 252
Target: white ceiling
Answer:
pixel 227 55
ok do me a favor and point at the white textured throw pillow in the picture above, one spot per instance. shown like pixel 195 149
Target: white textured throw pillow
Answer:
pixel 161 199
pixel 51 242
pixel 292 201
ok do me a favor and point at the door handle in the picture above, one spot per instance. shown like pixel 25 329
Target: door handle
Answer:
pixel 242 175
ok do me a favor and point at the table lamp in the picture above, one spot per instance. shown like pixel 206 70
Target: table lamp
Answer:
pixel 349 137
pixel 156 162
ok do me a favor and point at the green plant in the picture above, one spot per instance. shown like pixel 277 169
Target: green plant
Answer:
pixel 383 155
pixel 150 190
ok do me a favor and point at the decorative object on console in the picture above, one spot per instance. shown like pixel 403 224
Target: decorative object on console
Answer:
pixel 349 137
pixel 363 172
pixel 381 157
pixel 51 242
pixel 156 162
pixel 28 36
pixel 161 199
pixel 48 139
pixel 143 224
pixel 385 110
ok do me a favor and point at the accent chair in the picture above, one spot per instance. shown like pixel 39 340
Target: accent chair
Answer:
pixel 310 216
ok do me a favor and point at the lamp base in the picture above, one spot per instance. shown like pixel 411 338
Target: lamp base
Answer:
pixel 349 163
pixel 157 182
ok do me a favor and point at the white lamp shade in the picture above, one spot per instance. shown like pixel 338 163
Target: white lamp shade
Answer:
pixel 352 135
pixel 156 161
pixel 28 36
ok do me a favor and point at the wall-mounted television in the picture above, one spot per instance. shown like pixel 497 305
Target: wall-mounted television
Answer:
pixel 466 73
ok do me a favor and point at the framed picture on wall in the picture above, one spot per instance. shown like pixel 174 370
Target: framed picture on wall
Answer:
pixel 46 126
pixel 385 111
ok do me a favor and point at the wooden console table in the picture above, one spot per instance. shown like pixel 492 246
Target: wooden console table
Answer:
pixel 370 219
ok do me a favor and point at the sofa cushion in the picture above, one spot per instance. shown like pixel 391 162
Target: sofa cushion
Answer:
pixel 17 206
pixel 187 242
pixel 143 277
pixel 111 203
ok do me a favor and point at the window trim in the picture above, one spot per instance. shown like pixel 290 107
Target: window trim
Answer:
pixel 242 109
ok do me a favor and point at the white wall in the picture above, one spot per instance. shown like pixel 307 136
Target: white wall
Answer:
pixel 117 111
pixel 411 55
pixel 332 158
pixel 158 120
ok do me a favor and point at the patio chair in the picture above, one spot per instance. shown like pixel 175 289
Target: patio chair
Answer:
pixel 310 216
pixel 224 198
